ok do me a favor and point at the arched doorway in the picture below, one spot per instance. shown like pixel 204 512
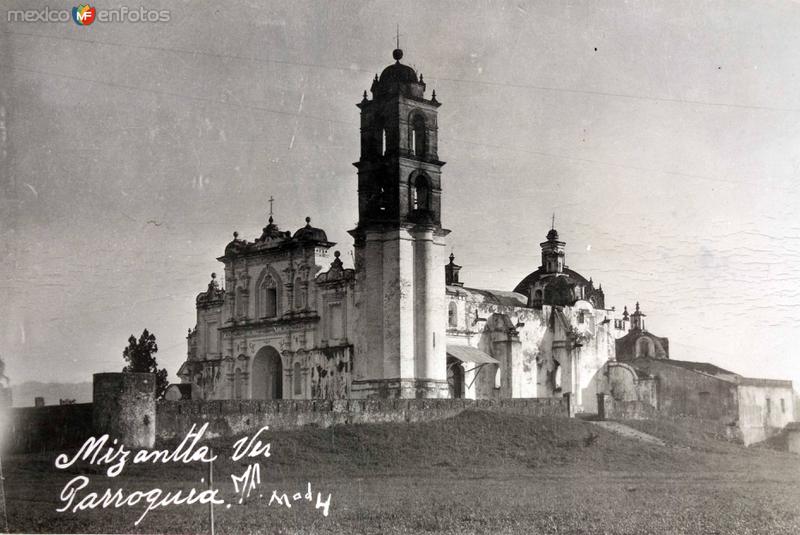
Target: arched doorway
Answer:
pixel 267 375
pixel 455 378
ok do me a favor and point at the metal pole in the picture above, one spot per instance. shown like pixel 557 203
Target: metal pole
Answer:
pixel 3 499
pixel 211 487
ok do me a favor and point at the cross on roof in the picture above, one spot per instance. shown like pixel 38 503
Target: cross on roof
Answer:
pixel 271 200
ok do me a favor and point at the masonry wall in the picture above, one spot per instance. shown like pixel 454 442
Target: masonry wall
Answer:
pixel 53 427
pixel 229 417
pixel 612 409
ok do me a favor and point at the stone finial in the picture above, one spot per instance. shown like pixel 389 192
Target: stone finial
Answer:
pixel 235 235
pixel 337 262
pixel 308 222
pixel 420 79
pixel 213 285
pixel 451 272
pixel 433 97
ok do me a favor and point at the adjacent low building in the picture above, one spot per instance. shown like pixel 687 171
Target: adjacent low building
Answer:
pixel 644 373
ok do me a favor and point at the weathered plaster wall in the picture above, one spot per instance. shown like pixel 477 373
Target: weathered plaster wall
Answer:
pixel 229 418
pixel 622 383
pixel 570 343
pixel 758 418
pixel 331 371
pixel 682 392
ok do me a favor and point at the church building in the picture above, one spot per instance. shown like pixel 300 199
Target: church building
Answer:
pixel 288 321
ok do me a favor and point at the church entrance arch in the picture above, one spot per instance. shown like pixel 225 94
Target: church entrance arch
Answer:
pixel 267 374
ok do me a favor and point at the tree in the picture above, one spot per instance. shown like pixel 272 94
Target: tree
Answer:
pixel 140 359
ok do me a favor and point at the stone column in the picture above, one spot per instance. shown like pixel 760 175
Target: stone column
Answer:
pixel 124 407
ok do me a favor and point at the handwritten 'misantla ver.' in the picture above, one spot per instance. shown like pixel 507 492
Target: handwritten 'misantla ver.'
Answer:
pixel 104 451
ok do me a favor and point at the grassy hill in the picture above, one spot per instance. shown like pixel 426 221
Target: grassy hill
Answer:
pixel 479 472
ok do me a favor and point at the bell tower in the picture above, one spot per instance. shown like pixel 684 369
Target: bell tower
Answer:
pixel 400 349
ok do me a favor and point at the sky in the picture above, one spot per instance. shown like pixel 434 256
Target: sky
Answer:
pixel 664 136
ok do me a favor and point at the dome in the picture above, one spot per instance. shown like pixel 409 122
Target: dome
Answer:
pixel 309 233
pixel 552 235
pixel 398 78
pixel 571 276
pixel 398 73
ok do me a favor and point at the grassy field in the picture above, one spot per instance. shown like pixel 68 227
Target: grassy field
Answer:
pixel 479 472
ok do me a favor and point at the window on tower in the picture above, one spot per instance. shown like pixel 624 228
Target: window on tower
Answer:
pixel 418 136
pixel 383 142
pixel 421 194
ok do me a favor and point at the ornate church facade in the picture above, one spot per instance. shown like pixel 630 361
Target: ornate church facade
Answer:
pixel 292 322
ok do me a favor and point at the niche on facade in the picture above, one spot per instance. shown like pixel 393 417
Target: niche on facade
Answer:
pixel 554 377
pixel 455 378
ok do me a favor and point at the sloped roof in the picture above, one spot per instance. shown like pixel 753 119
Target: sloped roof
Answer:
pixel 495 297
pixel 703 367
pixel 470 354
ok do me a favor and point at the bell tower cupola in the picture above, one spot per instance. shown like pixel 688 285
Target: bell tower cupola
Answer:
pixel 553 253
pixel 399 172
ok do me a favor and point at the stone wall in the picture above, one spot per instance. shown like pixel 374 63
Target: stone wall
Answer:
pixel 229 417
pixel 63 427
pixel 54 427
pixel 610 409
